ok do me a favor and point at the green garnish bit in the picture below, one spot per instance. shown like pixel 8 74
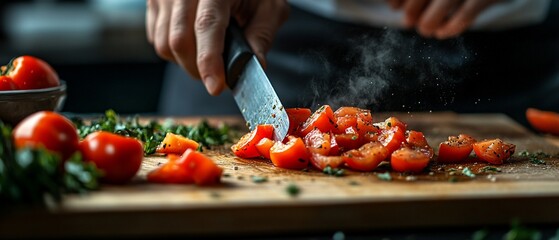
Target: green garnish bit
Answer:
pixel 259 179
pixel 467 172
pixel 491 169
pixel 337 172
pixel 384 176
pixel 293 190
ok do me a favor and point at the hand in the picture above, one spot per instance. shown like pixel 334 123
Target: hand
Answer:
pixel 441 18
pixel 191 33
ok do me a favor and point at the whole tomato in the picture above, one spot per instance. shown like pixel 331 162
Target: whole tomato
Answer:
pixel 49 130
pixel 6 84
pixel 31 73
pixel 117 156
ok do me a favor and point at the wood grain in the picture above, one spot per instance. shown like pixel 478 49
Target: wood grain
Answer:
pixel 357 201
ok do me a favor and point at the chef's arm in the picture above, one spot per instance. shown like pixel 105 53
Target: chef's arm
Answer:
pixel 191 33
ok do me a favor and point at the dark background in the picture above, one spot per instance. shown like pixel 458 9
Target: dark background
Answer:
pixel 98 47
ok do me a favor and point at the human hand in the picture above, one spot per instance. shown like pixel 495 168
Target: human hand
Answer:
pixel 440 18
pixel 191 33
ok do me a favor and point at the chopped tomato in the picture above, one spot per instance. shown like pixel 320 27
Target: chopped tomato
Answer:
pixel 392 122
pixel 494 151
pixel 347 111
pixel 171 172
pixel 543 121
pixel 175 144
pixel 349 140
pixel 456 149
pixel 202 169
pixel 264 146
pixel 360 119
pixel 417 140
pixel 323 119
pixel 392 138
pixel 292 155
pixel 246 146
pixel 344 122
pixel 318 142
pixel 296 117
pixel 320 161
pixel 334 147
pixel 367 157
pixel 409 160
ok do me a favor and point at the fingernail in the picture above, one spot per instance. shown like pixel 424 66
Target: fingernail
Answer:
pixel 211 84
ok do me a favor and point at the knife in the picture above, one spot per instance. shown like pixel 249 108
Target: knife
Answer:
pixel 253 92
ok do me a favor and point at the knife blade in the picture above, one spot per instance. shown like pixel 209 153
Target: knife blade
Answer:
pixel 256 98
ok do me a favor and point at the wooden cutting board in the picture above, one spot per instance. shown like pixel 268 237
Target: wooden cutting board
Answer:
pixel 441 197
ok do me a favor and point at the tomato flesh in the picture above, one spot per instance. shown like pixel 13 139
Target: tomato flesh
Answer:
pixel 367 157
pixel 494 151
pixel 409 160
pixel 292 155
pixel 264 147
pixel 543 121
pixel 296 117
pixel 246 146
pixel 320 161
pixel 171 172
pixel 175 144
pixel 455 149
pixel 392 138
pixel 323 119
pixel 318 142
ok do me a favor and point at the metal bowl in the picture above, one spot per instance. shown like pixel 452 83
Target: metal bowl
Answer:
pixel 17 104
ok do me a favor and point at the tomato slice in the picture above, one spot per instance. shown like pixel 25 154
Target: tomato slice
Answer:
pixel 296 117
pixel 417 140
pixel 456 149
pixel 543 121
pixel 292 155
pixel 409 160
pixel 344 122
pixel 318 142
pixel 175 144
pixel 367 157
pixel 171 172
pixel 264 146
pixel 494 151
pixel 392 138
pixel 202 169
pixel 246 146
pixel 7 84
pixel 334 147
pixel 323 119
pixel 320 161
pixel 349 140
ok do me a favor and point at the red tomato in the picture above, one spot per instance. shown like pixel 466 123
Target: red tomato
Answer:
pixel 494 151
pixel 170 172
pixel 49 130
pixel 417 140
pixel 292 155
pixel 392 122
pixel 365 123
pixel 296 117
pixel 264 146
pixel 392 138
pixel 367 157
pixel 349 140
pixel 202 169
pixel 175 144
pixel 409 160
pixel 455 149
pixel 323 119
pixel 7 84
pixel 246 146
pixel 320 161
pixel 334 147
pixel 117 156
pixel 31 73
pixel 318 142
pixel 360 119
pixel 345 122
pixel 543 121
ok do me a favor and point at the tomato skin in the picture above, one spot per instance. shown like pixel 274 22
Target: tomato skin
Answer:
pixel 318 142
pixel 202 169
pixel 246 146
pixel 117 156
pixel 29 72
pixel 543 121
pixel 6 84
pixel 392 138
pixel 49 130
pixel 456 149
pixel 367 157
pixel 175 144
pixel 264 147
pixel 417 140
pixel 320 161
pixel 322 118
pixel 296 117
pixel 494 151
pixel 171 172
pixel 409 160
pixel 292 155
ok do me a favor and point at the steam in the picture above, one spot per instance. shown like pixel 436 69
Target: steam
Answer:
pixel 393 71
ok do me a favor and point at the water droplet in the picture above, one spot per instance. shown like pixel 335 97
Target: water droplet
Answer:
pixel 409 56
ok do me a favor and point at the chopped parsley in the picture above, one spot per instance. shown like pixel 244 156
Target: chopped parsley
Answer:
pixel 467 172
pixel 293 190
pixel 337 172
pixel 491 169
pixel 384 176
pixel 259 179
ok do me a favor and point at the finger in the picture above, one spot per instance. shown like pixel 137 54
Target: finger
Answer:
pixel 262 27
pixel 161 31
pixel 435 15
pixel 181 36
pixel 151 16
pixel 412 11
pixel 396 4
pixel 462 19
pixel 211 21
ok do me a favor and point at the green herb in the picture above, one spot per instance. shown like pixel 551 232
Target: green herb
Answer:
pixel 27 175
pixel 384 176
pixel 519 232
pixel 491 169
pixel 556 236
pixel 480 234
pixel 453 179
pixel 338 172
pixel 259 179
pixel 467 172
pixel 153 133
pixel 293 190
pixel 536 157
pixel 339 235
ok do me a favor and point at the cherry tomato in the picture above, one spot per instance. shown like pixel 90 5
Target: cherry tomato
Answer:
pixel 409 160
pixel 175 144
pixel 392 138
pixel 456 149
pixel 417 140
pixel 7 84
pixel 49 130
pixel 202 169
pixel 296 117
pixel 264 146
pixel 367 157
pixel 170 172
pixel 31 73
pixel 292 155
pixel 334 147
pixel 246 146
pixel 320 161
pixel 117 156
pixel 318 142
pixel 323 119
pixel 494 151
pixel 543 121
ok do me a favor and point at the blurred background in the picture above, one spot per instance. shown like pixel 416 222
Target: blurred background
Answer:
pixel 98 47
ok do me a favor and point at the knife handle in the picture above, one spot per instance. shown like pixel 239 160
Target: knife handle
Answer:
pixel 236 53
